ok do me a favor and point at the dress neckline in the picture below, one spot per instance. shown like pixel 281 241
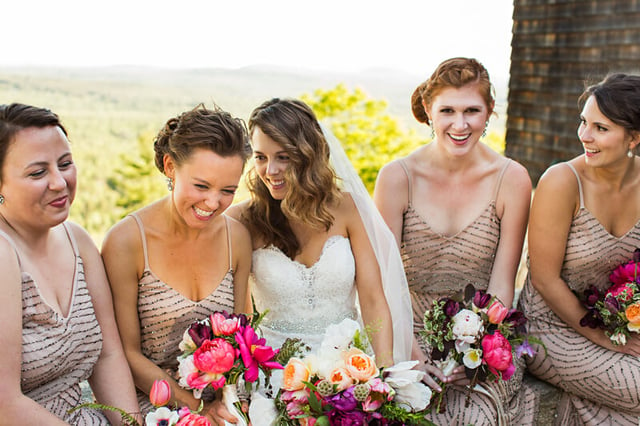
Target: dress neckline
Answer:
pixel 491 209
pixel 328 243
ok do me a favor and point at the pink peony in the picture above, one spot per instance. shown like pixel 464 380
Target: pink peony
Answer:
pixel 223 326
pixel 160 393
pixel 214 356
pixel 193 419
pixel 497 355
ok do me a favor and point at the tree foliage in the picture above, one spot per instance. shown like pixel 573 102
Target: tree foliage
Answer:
pixel 371 137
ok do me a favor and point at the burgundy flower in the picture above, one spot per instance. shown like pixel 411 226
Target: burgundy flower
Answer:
pixel 347 418
pixel 612 304
pixel 451 307
pixel 515 317
pixel 481 299
pixel 199 332
pixel 591 295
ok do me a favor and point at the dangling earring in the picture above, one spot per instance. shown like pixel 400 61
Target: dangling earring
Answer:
pixel 486 125
pixel 433 132
pixel 1 199
pixel 170 184
pixel 630 153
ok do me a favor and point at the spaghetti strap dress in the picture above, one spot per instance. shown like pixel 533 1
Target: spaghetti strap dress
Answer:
pixel 599 386
pixel 440 266
pixel 165 313
pixel 58 352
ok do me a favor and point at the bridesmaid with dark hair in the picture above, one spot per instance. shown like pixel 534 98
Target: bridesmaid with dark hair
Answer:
pixel 180 258
pixel 58 327
pixel 585 221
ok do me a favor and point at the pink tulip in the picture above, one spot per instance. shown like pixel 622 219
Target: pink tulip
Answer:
pixel 497 355
pixel 497 312
pixel 160 394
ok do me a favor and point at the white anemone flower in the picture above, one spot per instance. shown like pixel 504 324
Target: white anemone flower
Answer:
pixel 154 418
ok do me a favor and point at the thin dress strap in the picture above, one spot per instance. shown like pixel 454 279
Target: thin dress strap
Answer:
pixel 72 239
pixel 143 237
pixel 13 244
pixel 406 171
pixel 226 222
pixel 575 172
pixel 499 183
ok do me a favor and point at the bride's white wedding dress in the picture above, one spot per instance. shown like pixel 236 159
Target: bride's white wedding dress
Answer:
pixel 302 301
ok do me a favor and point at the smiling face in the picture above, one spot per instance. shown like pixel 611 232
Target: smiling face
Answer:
pixel 271 161
pixel 204 185
pixel 459 116
pixel 39 178
pixel 604 141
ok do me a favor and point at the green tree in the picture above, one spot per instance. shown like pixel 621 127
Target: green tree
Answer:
pixel 137 181
pixel 370 136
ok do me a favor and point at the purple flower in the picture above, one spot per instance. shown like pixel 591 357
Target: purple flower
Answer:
pixel 199 332
pixel 515 317
pixel 591 295
pixel 612 304
pixel 347 418
pixel 525 349
pixel 481 299
pixel 343 401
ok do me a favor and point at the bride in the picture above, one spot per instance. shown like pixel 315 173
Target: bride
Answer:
pixel 321 253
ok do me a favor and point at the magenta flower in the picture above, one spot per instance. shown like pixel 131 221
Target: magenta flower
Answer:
pixel 624 273
pixel 497 355
pixel 255 354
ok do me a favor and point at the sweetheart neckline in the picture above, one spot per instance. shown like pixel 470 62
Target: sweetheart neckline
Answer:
pixel 325 246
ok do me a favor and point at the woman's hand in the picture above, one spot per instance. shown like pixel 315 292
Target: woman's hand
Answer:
pixel 217 413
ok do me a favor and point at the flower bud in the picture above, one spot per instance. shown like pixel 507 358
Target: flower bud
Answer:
pixel 160 394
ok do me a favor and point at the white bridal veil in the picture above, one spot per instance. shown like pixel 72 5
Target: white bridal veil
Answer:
pixel 384 244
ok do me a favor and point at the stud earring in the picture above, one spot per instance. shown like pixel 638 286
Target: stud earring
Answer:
pixel 1 199
pixel 486 125
pixel 170 184
pixel 433 133
pixel 630 153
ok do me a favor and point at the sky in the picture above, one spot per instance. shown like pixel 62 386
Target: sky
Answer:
pixel 329 35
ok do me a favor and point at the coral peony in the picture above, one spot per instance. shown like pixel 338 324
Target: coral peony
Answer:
pixel 295 373
pixel 498 355
pixel 360 365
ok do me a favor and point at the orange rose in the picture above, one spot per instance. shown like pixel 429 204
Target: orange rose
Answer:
pixel 633 316
pixel 341 378
pixel 360 365
pixel 295 373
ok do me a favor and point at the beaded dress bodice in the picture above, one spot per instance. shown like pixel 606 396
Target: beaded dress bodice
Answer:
pixel 303 301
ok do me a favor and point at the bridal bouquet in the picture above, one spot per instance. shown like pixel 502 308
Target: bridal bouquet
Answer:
pixel 617 309
pixel 474 329
pixel 221 348
pixel 341 385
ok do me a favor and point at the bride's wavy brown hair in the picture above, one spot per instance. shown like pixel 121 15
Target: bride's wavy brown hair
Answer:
pixel 311 181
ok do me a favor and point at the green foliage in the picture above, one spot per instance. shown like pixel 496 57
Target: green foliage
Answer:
pixel 370 136
pixel 136 180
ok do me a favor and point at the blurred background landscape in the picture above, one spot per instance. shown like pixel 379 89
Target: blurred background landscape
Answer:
pixel 113 113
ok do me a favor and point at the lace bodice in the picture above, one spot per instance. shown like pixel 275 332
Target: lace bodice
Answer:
pixel 302 301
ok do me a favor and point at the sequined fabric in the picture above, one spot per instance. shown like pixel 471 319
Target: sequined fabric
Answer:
pixel 165 314
pixel 59 352
pixel 303 301
pixel 438 266
pixel 601 387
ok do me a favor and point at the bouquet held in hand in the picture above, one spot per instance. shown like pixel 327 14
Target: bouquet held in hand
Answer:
pixel 341 385
pixel 220 349
pixel 616 310
pixel 476 330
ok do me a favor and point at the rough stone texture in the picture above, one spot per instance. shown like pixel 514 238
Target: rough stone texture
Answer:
pixel 548 397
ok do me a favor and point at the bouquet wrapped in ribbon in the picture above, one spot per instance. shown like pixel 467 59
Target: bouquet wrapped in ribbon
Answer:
pixel 220 349
pixel 476 330
pixel 341 385
pixel 617 309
